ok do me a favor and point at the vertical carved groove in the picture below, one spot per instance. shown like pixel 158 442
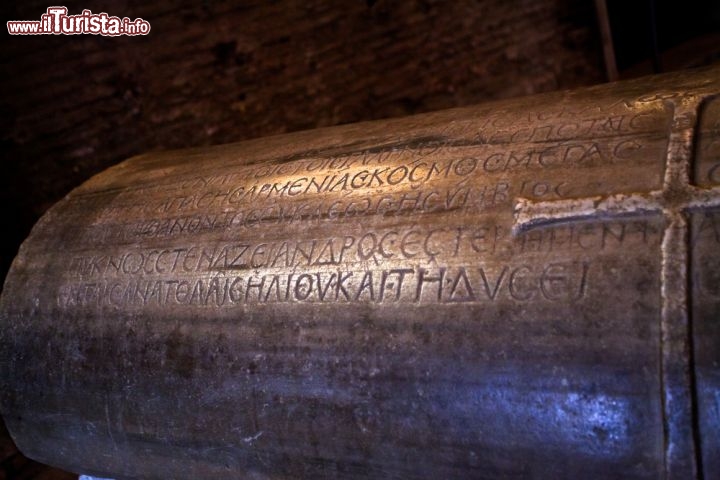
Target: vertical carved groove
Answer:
pixel 677 197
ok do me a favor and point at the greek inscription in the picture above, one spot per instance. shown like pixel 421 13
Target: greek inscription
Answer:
pixel 505 130
pixel 552 282
pixel 591 236
pixel 413 174
pixel 376 248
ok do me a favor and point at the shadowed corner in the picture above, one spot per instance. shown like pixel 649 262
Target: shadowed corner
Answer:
pixel 14 465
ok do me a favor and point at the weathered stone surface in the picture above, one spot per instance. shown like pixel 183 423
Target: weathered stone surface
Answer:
pixel 213 73
pixel 506 290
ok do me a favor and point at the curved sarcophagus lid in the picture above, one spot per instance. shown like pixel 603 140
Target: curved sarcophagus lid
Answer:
pixel 524 289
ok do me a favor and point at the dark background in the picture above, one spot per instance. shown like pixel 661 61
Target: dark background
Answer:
pixel 213 72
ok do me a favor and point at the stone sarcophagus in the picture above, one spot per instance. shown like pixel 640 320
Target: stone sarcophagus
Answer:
pixel 524 289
